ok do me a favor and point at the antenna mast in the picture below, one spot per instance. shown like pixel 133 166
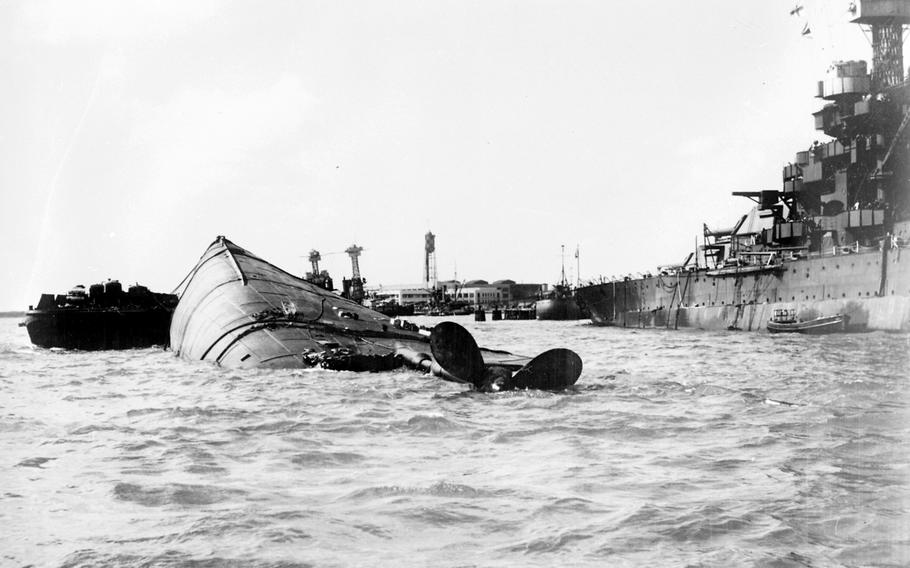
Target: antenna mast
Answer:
pixel 577 267
pixel 562 280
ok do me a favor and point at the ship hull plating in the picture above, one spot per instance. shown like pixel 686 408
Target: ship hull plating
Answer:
pixel 98 329
pixel 238 310
pixel 562 308
pixel 871 288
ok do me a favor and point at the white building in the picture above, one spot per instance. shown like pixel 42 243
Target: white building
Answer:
pixel 472 293
pixel 403 294
pixel 480 293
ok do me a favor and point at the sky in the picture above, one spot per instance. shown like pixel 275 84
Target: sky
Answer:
pixel 132 133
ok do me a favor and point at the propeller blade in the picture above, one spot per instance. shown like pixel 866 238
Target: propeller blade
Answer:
pixel 553 370
pixel 455 350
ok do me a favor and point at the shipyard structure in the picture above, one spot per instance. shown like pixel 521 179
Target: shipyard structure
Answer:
pixel 832 240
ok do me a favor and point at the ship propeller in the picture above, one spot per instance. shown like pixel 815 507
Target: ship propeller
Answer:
pixel 455 351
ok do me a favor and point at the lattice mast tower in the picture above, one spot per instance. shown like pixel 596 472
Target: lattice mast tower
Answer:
pixel 429 262
pixel 887 19
pixel 356 283
pixel 319 277
pixel 314 259
pixel 354 252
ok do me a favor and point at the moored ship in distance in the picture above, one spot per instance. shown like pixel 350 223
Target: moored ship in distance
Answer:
pixel 831 242
pixel 103 317
pixel 560 303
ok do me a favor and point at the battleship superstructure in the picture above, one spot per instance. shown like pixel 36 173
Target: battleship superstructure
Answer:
pixel 829 242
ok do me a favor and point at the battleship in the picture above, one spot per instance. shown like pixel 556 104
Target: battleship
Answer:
pixel 829 243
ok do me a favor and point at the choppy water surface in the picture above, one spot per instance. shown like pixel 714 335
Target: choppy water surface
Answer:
pixel 675 448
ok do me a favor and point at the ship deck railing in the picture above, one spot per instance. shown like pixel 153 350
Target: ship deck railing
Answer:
pixel 794 253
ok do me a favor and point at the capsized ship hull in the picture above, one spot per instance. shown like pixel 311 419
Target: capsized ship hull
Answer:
pixel 871 288
pixel 237 310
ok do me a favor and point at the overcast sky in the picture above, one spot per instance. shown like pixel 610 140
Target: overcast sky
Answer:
pixel 133 133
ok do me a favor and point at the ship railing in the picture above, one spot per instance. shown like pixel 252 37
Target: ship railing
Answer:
pixel 773 257
pixel 787 254
pixel 839 250
pixel 784 315
pixel 849 249
pixel 674 269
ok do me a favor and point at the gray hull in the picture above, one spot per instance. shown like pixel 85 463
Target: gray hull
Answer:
pixel 565 308
pixel 237 310
pixel 872 288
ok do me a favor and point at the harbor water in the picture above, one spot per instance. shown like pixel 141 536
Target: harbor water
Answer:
pixel 675 448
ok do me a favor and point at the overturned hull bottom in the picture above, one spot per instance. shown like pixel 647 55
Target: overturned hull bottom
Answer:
pixel 867 314
pixel 239 311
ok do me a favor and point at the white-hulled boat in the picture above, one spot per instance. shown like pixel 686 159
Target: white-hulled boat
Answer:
pixel 785 321
pixel 237 310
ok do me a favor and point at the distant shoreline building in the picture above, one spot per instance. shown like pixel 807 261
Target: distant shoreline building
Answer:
pixel 478 293
pixel 402 294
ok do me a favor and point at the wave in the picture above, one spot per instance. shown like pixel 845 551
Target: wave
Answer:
pixel 438 489
pixel 441 516
pixel 429 424
pixel 327 459
pixel 169 559
pixel 174 494
pixel 551 544
pixel 647 461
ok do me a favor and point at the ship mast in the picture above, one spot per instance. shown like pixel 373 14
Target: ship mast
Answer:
pixel 318 277
pixel 577 268
pixel 314 258
pixel 354 287
pixel 562 281
pixel 887 19
pixel 354 252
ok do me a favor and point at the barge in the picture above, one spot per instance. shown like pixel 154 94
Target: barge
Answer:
pixel 102 317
